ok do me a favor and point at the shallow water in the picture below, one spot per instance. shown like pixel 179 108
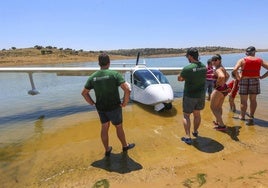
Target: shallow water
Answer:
pixel 52 140
pixel 71 152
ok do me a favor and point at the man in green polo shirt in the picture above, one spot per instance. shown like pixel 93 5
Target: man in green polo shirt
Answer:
pixel 194 76
pixel 105 84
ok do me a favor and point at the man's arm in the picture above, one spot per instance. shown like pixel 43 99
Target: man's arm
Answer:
pixel 265 64
pixel 85 94
pixel 126 89
pixel 180 78
pixel 236 68
pixel 264 75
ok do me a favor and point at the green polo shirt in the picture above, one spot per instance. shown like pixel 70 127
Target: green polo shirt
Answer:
pixel 195 79
pixel 105 84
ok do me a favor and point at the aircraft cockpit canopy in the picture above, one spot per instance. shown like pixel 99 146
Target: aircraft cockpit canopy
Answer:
pixel 143 78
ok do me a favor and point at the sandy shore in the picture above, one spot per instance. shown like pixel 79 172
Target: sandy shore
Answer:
pixel 67 152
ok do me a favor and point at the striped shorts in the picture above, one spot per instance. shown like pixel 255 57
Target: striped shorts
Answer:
pixel 249 86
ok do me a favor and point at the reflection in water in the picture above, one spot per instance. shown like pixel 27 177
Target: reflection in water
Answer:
pixel 38 126
pixel 50 113
pixel 120 163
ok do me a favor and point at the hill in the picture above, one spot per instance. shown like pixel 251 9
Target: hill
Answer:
pixel 38 55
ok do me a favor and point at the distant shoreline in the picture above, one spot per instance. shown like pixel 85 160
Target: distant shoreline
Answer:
pixel 33 57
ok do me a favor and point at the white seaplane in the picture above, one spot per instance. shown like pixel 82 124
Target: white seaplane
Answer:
pixel 149 85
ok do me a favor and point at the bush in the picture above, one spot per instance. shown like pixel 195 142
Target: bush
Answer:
pixel 38 47
pixel 43 52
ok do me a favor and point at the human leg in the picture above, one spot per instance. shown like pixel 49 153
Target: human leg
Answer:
pixel 121 135
pixel 243 106
pixel 105 135
pixel 232 104
pixel 216 102
pixel 187 124
pixel 197 121
pixel 209 88
pixel 252 108
pixel 253 104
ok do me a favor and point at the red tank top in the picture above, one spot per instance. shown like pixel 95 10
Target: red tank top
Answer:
pixel 251 67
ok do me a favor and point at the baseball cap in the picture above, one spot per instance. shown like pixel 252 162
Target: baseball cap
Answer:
pixel 216 57
pixel 250 49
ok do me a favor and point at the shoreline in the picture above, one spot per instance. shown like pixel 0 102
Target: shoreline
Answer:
pixel 37 59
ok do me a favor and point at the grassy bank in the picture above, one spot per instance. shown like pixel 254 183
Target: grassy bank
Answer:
pixel 52 55
pixel 32 56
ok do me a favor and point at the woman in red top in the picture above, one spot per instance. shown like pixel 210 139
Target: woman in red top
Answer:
pixel 249 83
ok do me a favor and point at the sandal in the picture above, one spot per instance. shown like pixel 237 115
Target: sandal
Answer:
pixel 108 153
pixel 128 147
pixel 250 121
pixel 242 119
pixel 195 134
pixel 220 128
pixel 187 140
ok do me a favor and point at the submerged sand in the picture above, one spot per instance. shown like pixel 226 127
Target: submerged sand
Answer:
pixel 67 152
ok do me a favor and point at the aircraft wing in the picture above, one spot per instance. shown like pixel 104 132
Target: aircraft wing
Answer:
pixel 177 70
pixel 85 71
pixel 170 70
pixel 61 71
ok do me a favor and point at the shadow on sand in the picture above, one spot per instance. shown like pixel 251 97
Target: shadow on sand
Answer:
pixel 257 121
pixel 120 163
pixel 233 132
pixel 260 122
pixel 207 145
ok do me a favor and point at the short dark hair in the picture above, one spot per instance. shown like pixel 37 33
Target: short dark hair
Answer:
pixel 193 52
pixel 104 59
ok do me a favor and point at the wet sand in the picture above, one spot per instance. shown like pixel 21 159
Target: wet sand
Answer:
pixel 67 152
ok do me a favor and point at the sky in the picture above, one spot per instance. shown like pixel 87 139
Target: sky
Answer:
pixel 127 24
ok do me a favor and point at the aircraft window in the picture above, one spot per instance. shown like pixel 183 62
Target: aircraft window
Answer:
pixel 160 76
pixel 137 81
pixel 143 78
